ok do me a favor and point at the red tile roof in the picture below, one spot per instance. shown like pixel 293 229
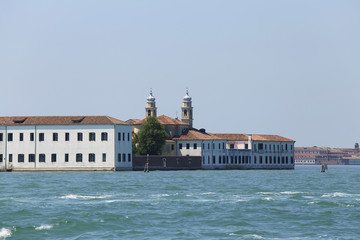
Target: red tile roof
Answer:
pixel 254 137
pixel 60 120
pixel 197 135
pixel 165 120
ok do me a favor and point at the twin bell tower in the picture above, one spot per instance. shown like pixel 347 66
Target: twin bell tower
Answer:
pixel 186 109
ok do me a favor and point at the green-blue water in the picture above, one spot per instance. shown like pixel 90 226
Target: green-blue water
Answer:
pixel 288 204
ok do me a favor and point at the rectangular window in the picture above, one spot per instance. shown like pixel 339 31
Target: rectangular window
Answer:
pixel 195 146
pixel 123 136
pixel 10 157
pixel 128 136
pixel 223 145
pixel 21 158
pixel 80 136
pixel 104 136
pixel 55 137
pixel 172 147
pixel 187 146
pixel 119 157
pixel 79 157
pixel 67 136
pixel 91 157
pixel 53 157
pixel 21 137
pixel 104 157
pixel 124 157
pixel 129 157
pixel 219 146
pixel 213 159
pixel 119 136
pixel 32 137
pixel 180 145
pixel 246 146
pixel 31 157
pixel 42 157
pixel 41 137
pixel 66 157
pixel 1 158
pixel 10 137
pixel 260 146
pixel 232 146
pixel 1 137
pixel 92 136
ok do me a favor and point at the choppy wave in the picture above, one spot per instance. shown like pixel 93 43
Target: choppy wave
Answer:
pixel 74 196
pixel 5 233
pixel 339 194
pixel 44 227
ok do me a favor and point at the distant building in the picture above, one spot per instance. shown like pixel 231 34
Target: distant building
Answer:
pixel 65 143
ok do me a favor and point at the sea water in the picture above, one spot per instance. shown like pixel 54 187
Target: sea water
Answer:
pixel 235 204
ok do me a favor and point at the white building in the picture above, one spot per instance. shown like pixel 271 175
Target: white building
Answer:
pixel 65 143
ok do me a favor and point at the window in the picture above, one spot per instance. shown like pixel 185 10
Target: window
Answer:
pixel 31 157
pixel 287 160
pixel 41 157
pixel 55 137
pixel 53 157
pixel 32 136
pixel 80 136
pixel 10 157
pixel 119 136
pixel 219 159
pixel 41 137
pixel 92 136
pixel 104 157
pixel 78 157
pixel 266 159
pixel 67 136
pixel 232 146
pixel 246 146
pixel 187 146
pixel 223 145
pixel 91 157
pixel 286 148
pixel 172 147
pixel 260 159
pixel 195 146
pixel 119 157
pixel 180 145
pixel 1 137
pixel 21 137
pixel 254 160
pixel 282 160
pixel 123 136
pixel 292 160
pixel 260 146
pixel 129 157
pixel 21 158
pixel 66 157
pixel 124 157
pixel 104 136
pixel 10 137
pixel 219 146
pixel 128 136
pixel 213 159
pixel 1 158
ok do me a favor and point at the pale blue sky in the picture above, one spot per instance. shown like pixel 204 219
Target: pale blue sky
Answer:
pixel 290 68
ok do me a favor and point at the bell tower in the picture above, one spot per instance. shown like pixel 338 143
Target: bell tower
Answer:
pixel 187 110
pixel 151 108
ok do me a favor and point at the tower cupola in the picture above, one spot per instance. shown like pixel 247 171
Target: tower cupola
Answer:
pixel 151 108
pixel 187 110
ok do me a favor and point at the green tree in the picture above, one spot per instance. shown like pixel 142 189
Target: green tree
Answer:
pixel 150 139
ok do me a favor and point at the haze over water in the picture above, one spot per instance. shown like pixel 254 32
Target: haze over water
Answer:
pixel 289 204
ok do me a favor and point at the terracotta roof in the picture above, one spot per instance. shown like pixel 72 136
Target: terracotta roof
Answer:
pixel 273 138
pixel 165 120
pixel 233 136
pixel 60 120
pixel 197 135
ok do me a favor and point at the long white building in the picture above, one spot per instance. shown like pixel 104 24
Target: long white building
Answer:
pixel 65 143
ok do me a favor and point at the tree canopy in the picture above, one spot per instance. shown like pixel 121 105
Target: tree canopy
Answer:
pixel 150 139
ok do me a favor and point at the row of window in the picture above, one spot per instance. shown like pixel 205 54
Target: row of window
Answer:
pixel 187 146
pixel 247 160
pixel 55 136
pixel 262 146
pixel 53 157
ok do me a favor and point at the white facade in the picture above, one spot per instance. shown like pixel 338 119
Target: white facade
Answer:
pixel 65 147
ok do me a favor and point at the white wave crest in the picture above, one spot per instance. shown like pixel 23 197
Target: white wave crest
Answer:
pixel 5 233
pixel 207 193
pixel 268 198
pixel 253 236
pixel 74 196
pixel 44 227
pixel 290 192
pixel 339 194
pixel 160 195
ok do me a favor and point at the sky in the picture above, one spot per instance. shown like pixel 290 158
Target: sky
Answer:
pixel 289 68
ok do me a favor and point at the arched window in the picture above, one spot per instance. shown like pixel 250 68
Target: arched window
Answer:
pixel 185 112
pixel 149 112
